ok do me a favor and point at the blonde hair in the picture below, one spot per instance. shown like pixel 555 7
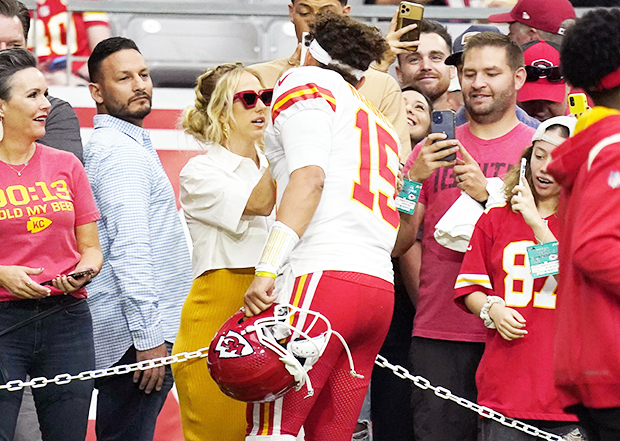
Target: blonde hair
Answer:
pixel 208 118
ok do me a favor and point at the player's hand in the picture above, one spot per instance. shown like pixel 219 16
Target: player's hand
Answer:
pixel 508 321
pixel 151 378
pixel 16 280
pixel 259 296
pixel 523 202
pixel 469 177
pixel 430 158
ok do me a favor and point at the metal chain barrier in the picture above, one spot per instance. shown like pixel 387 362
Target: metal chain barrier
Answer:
pixel 60 379
pixel 399 371
pixel 484 411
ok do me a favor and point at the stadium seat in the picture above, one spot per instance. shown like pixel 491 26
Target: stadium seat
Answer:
pixel 177 50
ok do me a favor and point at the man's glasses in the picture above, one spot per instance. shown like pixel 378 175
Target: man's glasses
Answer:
pixel 552 73
pixel 249 97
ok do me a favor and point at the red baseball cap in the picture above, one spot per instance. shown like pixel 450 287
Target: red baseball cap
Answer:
pixel 546 15
pixel 543 60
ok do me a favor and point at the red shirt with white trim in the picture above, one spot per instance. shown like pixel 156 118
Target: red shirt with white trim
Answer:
pixel 514 377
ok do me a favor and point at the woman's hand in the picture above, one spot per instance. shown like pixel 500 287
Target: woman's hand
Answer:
pixel 523 202
pixel 430 156
pixel 16 280
pixel 508 321
pixel 68 284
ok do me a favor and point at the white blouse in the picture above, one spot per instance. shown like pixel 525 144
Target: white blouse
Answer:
pixel 215 188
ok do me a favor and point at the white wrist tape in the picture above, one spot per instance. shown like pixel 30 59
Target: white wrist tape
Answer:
pixel 280 243
pixel 484 311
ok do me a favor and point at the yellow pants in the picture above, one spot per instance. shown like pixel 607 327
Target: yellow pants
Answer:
pixel 207 414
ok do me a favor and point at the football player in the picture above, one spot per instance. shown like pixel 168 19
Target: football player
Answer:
pixel 335 160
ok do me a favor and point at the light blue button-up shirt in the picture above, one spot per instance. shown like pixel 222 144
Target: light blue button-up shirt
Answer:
pixel 138 295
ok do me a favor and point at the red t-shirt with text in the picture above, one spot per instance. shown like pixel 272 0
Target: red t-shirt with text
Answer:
pixel 39 211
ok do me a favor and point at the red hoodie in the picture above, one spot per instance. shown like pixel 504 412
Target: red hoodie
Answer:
pixel 587 319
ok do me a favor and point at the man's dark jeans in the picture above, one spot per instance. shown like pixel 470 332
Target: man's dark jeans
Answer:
pixel 124 412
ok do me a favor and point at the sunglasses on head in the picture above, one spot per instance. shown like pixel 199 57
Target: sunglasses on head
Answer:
pixel 552 73
pixel 249 97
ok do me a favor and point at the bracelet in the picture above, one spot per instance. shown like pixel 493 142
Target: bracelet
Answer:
pixel 281 241
pixel 484 311
pixel 265 274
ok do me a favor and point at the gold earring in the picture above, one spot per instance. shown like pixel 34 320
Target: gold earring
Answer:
pixel 226 130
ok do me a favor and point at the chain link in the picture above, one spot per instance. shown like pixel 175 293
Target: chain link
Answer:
pixel 483 411
pixel 60 379
pixel 399 371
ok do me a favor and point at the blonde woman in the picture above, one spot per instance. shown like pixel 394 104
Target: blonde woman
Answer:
pixel 227 195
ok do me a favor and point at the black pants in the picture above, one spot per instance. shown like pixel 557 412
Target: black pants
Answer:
pixel 124 412
pixel 599 424
pixel 451 364
pixel 390 399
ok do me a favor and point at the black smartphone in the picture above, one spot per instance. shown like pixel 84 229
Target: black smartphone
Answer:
pixel 410 13
pixel 73 275
pixel 444 121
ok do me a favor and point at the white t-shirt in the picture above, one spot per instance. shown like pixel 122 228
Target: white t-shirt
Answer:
pixel 319 119
pixel 215 188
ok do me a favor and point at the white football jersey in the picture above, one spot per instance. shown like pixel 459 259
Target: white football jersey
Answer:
pixel 320 119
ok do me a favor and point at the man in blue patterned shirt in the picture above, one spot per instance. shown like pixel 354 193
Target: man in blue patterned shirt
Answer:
pixel 137 298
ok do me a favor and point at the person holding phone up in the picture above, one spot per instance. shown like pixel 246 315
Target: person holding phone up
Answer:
pixel 447 345
pixel 47 232
pixel 496 283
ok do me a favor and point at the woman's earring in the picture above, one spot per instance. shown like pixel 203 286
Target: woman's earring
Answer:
pixel 226 130
pixel 1 129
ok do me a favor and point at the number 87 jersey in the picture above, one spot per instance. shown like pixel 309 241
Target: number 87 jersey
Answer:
pixel 318 119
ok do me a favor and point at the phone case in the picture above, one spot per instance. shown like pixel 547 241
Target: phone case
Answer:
pixel 410 13
pixel 444 121
pixel 577 103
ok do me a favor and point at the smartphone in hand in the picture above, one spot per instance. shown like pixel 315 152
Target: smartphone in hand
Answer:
pixel 305 44
pixel 410 13
pixel 444 121
pixel 72 275
pixel 577 103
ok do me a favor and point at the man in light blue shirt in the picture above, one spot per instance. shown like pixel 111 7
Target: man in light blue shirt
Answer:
pixel 137 298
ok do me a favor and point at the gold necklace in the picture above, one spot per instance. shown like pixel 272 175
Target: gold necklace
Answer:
pixel 19 172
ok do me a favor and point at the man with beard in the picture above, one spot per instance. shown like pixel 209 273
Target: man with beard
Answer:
pixel 447 344
pixel 425 69
pixel 136 300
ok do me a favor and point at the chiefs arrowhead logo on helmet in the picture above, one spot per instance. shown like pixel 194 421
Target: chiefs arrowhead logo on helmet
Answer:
pixel 242 366
pixel 260 358
pixel 233 345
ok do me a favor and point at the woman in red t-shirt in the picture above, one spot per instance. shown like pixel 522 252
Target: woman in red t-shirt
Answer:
pixel 515 375
pixel 48 232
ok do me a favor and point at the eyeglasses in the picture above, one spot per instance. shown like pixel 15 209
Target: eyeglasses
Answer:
pixel 552 73
pixel 249 97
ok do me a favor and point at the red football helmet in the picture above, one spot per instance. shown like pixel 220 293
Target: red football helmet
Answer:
pixel 254 360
